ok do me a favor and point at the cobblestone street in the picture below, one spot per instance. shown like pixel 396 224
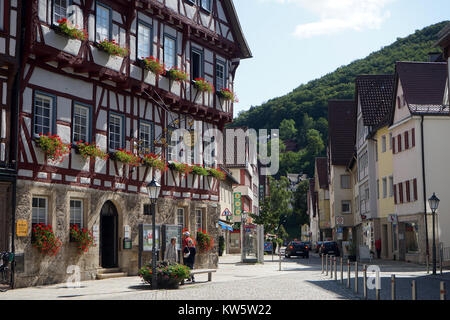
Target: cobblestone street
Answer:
pixel 300 279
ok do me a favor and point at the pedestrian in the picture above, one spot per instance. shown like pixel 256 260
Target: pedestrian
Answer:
pixel 189 253
pixel 378 247
pixel 171 254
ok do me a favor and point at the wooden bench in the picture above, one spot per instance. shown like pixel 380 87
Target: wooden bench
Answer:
pixel 200 271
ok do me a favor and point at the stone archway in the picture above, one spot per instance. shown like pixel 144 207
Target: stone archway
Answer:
pixel 109 225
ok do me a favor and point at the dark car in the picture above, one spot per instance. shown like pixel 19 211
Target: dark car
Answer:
pixel 330 247
pixel 317 246
pixel 298 249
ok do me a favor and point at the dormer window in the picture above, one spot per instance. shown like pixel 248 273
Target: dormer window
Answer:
pixel 103 23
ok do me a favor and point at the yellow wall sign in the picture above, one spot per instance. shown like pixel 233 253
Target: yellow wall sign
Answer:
pixel 22 228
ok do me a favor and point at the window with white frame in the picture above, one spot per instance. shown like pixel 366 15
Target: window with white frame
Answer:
pixel 390 141
pixel 115 132
pixel 170 55
pixel 39 210
pixel 363 166
pixel 391 187
pixel 144 41
pixel 60 8
pixel 196 64
pixel 383 144
pixel 81 121
pixel 76 213
pixel 180 217
pixel 103 23
pixel 384 187
pixel 172 144
pixel 146 137
pixel 220 76
pixel 198 219
pixel 346 206
pixel 206 4
pixel 2 14
pixel 43 114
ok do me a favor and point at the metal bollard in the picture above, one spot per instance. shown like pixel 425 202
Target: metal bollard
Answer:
pixel 326 265
pixel 428 264
pixel 342 270
pixel 413 290
pixel 279 254
pixel 335 268
pixel 442 291
pixel 331 267
pixel 365 281
pixel 348 273
pixel 393 295
pixel 440 261
pixel 378 286
pixel 356 277
pixel 322 263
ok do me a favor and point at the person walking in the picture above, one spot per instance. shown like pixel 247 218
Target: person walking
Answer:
pixel 171 254
pixel 189 253
pixel 378 247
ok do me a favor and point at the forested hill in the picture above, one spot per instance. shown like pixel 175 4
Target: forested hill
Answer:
pixel 301 115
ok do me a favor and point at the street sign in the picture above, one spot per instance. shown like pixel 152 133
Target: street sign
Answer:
pixel 392 218
pixel 227 213
pixel 340 221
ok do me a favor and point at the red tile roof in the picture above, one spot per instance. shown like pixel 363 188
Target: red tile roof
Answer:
pixel 342 127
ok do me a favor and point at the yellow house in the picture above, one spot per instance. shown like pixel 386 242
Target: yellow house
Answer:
pixel 385 194
pixel 323 198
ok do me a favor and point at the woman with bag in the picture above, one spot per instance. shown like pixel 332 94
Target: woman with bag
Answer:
pixel 171 254
pixel 189 253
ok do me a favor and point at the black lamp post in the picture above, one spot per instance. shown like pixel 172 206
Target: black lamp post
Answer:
pixel 434 204
pixel 153 189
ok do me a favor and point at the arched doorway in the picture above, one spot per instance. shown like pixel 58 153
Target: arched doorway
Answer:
pixel 108 235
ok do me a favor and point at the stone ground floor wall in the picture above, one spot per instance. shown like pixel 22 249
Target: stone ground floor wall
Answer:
pixel 38 269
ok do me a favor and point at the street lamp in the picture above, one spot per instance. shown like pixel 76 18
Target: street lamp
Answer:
pixel 153 190
pixel 434 204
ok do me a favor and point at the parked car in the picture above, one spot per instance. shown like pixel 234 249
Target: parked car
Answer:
pixel 330 247
pixel 317 246
pixel 298 249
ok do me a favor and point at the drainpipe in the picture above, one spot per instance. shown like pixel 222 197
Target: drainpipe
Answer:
pixel 424 186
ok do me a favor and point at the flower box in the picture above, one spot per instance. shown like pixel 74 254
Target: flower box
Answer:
pixel 177 75
pixel 90 151
pixel 227 95
pixel 204 241
pixel 126 157
pixel 82 237
pixel 217 173
pixel 182 168
pixel 203 85
pixel 154 161
pixel 153 65
pixel 53 147
pixel 169 275
pixel 113 48
pixel 199 170
pixel 44 240
pixel 65 28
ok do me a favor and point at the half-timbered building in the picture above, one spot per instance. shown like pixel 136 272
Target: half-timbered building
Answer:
pixel 74 89
pixel 10 29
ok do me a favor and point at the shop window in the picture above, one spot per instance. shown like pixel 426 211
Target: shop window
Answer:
pixel 411 237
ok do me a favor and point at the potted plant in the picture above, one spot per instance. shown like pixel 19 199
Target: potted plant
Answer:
pixel 199 170
pixel 221 245
pixel 217 173
pixel 82 237
pixel 154 161
pixel 126 157
pixel 90 151
pixel 227 95
pixel 44 240
pixel 203 85
pixel 169 275
pixel 53 147
pixel 176 74
pixel 152 64
pixel 113 48
pixel 66 28
pixel 182 168
pixel 205 241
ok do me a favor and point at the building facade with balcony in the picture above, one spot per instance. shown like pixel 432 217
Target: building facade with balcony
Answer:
pixel 75 88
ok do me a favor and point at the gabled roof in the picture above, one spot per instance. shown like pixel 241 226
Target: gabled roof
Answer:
pixel 341 123
pixel 375 95
pixel 444 37
pixel 424 86
pixel 322 172
pixel 237 29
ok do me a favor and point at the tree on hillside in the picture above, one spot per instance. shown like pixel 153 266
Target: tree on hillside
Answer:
pixel 287 129
pixel 299 214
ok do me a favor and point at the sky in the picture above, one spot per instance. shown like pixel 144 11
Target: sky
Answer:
pixel 295 41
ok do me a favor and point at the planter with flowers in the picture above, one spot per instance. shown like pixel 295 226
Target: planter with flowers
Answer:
pixel 82 237
pixel 44 240
pixel 227 95
pixel 90 151
pixel 199 170
pixel 203 85
pixel 155 162
pixel 205 241
pixel 53 147
pixel 113 48
pixel 66 28
pixel 182 168
pixel 217 173
pixel 176 74
pixel 169 275
pixel 152 64
pixel 126 157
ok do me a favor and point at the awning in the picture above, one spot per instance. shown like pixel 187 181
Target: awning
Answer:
pixel 225 226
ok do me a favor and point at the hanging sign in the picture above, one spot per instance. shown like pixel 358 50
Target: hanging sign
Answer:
pixel 237 204
pixel 22 228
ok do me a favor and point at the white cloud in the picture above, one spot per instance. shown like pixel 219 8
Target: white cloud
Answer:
pixel 339 15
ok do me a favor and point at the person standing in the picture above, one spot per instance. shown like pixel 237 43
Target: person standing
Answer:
pixel 189 253
pixel 378 247
pixel 171 254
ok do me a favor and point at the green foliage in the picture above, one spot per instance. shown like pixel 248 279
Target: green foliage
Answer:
pixel 287 129
pixel 308 104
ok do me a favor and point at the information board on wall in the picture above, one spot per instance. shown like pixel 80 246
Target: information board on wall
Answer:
pixel 173 232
